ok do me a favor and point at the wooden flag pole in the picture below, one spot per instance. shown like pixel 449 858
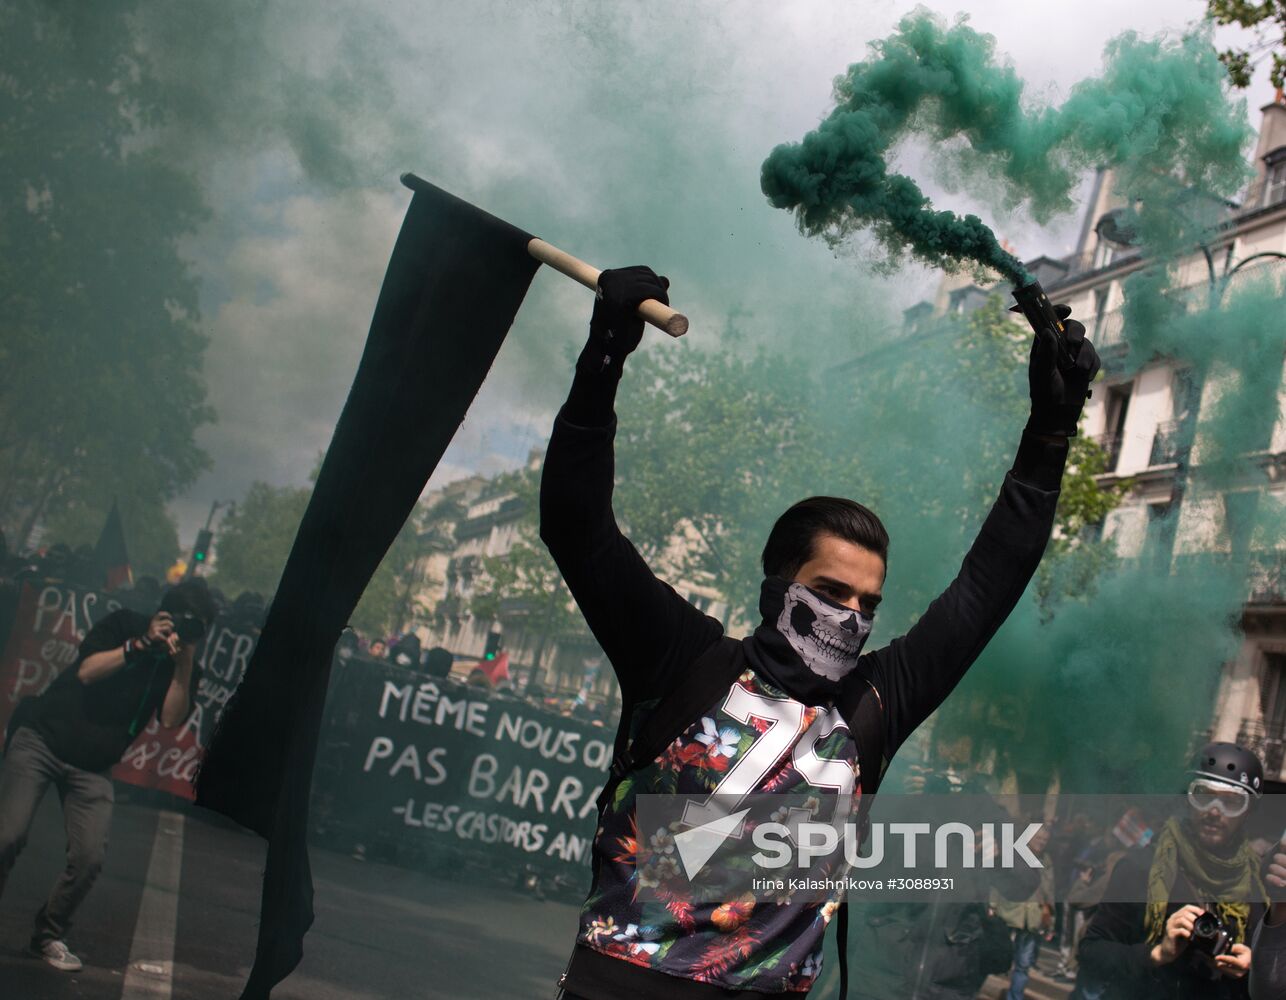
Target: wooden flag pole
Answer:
pixel 657 313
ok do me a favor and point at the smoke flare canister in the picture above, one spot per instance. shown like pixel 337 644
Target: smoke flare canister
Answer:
pixel 1038 310
pixel 1040 314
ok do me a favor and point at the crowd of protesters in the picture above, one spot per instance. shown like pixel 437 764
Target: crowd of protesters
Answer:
pixel 1097 947
pixel 80 567
pixel 1122 907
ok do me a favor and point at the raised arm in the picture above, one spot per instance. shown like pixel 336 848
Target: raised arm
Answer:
pixel 917 671
pixel 98 662
pixel 646 629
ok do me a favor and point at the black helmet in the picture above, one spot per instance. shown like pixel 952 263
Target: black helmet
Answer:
pixel 1232 765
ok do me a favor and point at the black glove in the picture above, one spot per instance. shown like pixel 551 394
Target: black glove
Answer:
pixel 1059 372
pixel 616 328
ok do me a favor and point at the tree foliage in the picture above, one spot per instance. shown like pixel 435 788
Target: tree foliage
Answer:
pixel 254 539
pixel 253 542
pixel 1268 21
pixel 151 538
pixel 711 449
pixel 100 357
pixel 522 586
pixel 921 428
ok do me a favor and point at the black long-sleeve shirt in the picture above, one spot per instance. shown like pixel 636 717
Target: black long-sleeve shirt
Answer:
pixel 90 726
pixel 652 637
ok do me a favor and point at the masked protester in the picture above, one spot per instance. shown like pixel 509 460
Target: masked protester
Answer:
pixel 799 675
pixel 129 668
pixel 1194 897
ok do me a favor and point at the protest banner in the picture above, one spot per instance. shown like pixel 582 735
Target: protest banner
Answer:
pixel 436 772
pixel 426 770
pixel 51 621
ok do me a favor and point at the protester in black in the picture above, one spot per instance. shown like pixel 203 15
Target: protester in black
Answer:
pixel 824 564
pixel 129 668
pixel 1268 947
pixel 946 947
pixel 1139 943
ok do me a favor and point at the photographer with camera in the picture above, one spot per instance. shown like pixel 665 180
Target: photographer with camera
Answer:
pixel 129 667
pixel 1196 897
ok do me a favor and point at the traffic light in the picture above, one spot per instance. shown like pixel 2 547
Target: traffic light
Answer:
pixel 202 548
pixel 493 645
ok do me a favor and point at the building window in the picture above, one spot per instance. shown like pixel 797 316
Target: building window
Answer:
pixel 1240 510
pixel 1275 183
pixel 1104 254
pixel 1272 695
pixel 1158 542
pixel 1117 407
pixel 1100 312
pixel 1173 439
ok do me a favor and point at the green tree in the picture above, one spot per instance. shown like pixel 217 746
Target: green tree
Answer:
pixel 709 447
pixel 382 608
pixel 254 539
pixel 151 536
pixel 522 587
pixel 100 356
pixel 921 428
pixel 1268 21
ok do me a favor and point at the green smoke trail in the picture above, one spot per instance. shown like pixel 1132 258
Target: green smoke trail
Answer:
pixel 1130 653
pixel 1159 110
pixel 1110 665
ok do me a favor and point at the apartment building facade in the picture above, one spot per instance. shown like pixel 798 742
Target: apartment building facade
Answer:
pixel 1146 418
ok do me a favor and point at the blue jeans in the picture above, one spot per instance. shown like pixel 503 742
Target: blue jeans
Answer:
pixel 29 768
pixel 1026 944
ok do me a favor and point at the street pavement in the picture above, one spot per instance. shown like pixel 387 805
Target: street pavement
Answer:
pixel 381 932
pixel 174 913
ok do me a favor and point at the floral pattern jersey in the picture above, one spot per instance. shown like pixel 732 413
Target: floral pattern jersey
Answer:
pixel 771 946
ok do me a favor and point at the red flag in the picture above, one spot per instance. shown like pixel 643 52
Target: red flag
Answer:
pixel 496 670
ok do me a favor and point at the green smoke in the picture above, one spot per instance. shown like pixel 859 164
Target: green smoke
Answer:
pixel 1159 109
pixel 1125 658
pixel 1111 663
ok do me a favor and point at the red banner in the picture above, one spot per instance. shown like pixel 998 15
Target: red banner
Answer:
pixel 52 620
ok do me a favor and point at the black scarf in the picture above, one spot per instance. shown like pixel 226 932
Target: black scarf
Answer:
pixel 806 643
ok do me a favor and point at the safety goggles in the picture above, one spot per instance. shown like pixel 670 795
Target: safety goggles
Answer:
pixel 1204 795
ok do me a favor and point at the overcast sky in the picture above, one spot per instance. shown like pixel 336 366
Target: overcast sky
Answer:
pixel 624 133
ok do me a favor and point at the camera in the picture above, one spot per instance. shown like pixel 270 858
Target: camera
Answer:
pixel 1210 938
pixel 189 628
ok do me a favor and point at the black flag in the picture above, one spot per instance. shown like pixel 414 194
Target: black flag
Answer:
pixel 456 278
pixel 111 558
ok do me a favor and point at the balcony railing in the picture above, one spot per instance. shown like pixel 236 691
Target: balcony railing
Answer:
pixel 1111 445
pixel 1269 742
pixel 1168 446
pixel 1108 329
pixel 1268 578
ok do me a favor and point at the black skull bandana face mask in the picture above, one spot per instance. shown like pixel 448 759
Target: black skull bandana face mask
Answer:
pixel 802 628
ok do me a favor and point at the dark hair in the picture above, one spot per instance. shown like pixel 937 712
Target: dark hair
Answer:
pixel 191 597
pixel 794 537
